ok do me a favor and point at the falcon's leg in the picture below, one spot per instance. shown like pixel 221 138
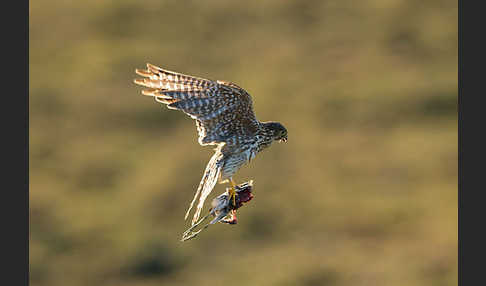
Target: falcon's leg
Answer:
pixel 232 197
pixel 232 191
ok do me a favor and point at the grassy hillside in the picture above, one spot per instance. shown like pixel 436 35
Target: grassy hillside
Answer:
pixel 363 193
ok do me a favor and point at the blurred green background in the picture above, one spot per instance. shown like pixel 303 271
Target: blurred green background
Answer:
pixel 363 193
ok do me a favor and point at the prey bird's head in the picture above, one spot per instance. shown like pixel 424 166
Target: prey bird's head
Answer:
pixel 276 130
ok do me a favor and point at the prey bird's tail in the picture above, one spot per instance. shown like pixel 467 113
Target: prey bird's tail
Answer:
pixel 208 181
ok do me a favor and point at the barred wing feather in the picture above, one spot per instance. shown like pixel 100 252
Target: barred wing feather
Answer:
pixel 221 109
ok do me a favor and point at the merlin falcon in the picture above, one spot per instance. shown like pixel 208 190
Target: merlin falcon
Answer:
pixel 224 117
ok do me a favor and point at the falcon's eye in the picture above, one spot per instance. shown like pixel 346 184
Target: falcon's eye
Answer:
pixel 282 136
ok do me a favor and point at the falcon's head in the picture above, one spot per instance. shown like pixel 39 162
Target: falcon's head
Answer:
pixel 277 131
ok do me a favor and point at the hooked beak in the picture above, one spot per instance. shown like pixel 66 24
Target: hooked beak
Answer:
pixel 284 139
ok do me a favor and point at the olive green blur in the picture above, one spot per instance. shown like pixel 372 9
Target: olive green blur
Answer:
pixel 364 192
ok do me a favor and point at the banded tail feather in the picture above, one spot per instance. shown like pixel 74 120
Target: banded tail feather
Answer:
pixel 208 181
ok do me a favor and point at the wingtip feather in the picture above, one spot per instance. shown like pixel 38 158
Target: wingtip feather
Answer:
pixel 139 81
pixel 165 100
pixel 145 73
pixel 149 92
pixel 153 68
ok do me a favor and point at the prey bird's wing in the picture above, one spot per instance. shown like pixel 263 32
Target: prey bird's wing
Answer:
pixel 222 110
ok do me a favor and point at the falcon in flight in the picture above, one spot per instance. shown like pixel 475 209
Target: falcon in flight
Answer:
pixel 224 117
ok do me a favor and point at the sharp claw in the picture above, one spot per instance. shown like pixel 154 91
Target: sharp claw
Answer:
pixel 232 219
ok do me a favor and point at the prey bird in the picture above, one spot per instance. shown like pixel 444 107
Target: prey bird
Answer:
pixel 224 117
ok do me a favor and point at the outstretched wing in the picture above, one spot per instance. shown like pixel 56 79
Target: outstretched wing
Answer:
pixel 223 111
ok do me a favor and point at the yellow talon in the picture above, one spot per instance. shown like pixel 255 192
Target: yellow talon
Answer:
pixel 232 191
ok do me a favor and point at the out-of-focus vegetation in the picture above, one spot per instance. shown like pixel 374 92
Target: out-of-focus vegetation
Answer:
pixel 363 193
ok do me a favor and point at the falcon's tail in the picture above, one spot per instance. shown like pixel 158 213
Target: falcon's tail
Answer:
pixel 208 181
